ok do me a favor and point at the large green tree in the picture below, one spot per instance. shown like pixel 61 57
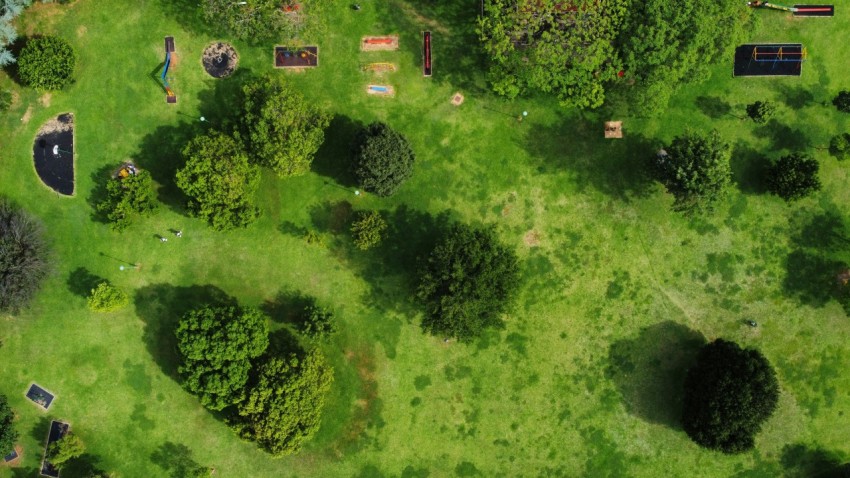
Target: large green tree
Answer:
pixel 383 159
pixel 23 257
pixel 282 130
pixel 216 346
pixel 564 48
pixel 467 283
pixel 255 20
pixel 695 169
pixel 8 435
pixel 665 43
pixel 219 181
pixel 729 393
pixel 284 404
pixel 794 176
pixel 47 63
pixel 128 198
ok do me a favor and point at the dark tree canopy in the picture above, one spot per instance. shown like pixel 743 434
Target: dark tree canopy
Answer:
pixel 128 198
pixel 46 63
pixel 216 346
pixel 468 282
pixel 256 20
pixel 729 393
pixel 564 48
pixel 284 404
pixel 695 169
pixel 219 181
pixel 8 435
pixel 383 159
pixel 842 101
pixel 794 176
pixel 282 130
pixel 666 43
pixel 23 257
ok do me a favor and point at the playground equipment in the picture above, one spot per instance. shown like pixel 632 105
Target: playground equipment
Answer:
pixel 613 129
pixel 305 57
pixel 781 59
pixel 426 53
pixel 170 97
pixel 380 90
pixel 379 67
pixel 371 43
pixel 797 10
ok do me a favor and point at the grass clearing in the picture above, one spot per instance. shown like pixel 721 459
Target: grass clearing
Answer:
pixel 616 287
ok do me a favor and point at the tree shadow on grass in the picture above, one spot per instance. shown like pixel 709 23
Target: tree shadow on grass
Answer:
pixel 458 57
pixel 332 217
pixel 811 277
pixel 176 459
pixel 25 473
pixel 713 107
pixel 222 104
pixel 650 370
pixel 288 307
pixel 161 306
pixel 81 281
pixel 188 14
pixel 783 137
pixel 160 153
pixel 801 461
pixel 83 466
pixel 749 168
pixel 98 194
pixel 40 430
pixel 615 167
pixel 825 231
pixel 334 158
pixel 796 97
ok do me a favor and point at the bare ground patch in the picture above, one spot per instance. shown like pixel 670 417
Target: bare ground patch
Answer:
pixel 45 99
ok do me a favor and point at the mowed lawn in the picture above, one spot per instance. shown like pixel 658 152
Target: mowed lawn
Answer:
pixel 618 291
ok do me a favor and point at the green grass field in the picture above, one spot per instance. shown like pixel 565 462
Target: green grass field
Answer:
pixel 618 291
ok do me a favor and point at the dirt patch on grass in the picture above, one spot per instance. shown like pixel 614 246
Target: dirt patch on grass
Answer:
pixel 43 17
pixel 81 31
pixel 364 405
pixel 45 99
pixel 27 115
pixel 531 238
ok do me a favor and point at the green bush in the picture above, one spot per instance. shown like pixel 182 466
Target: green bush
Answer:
pixel 314 238
pixel 695 169
pixel 383 159
pixel 761 111
pixel 106 298
pixel 839 146
pixel 5 100
pixel 368 229
pixel 60 452
pixel 46 63
pixel 318 323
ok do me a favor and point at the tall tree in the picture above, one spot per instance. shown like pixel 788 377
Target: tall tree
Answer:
pixel 127 198
pixel 23 257
pixel 695 169
pixel 8 435
pixel 219 181
pixel 284 404
pixel 9 9
pixel 216 346
pixel 282 130
pixel 468 282
pixel 65 449
pixel 794 176
pixel 564 48
pixel 383 159
pixel 664 44
pixel 729 393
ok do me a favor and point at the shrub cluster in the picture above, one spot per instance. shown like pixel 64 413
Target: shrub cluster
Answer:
pixel 47 63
